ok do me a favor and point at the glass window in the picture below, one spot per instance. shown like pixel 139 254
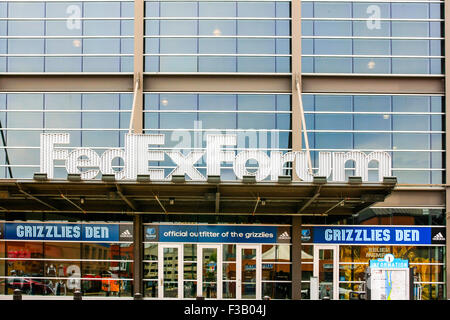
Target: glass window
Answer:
pixel 372 141
pixel 410 141
pixel 211 45
pixel 333 103
pixel 332 28
pixel 101 9
pixel 411 122
pixel 333 46
pixel 178 9
pixel 256 27
pixel 216 28
pixel 217 9
pixel 26 10
pixel 410 104
pixel 276 253
pixel 410 10
pixel 178 27
pixel 256 9
pixel 334 122
pixel 332 10
pixel 335 140
pixel 178 45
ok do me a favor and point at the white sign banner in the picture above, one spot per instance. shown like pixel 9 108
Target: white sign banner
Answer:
pixel 138 152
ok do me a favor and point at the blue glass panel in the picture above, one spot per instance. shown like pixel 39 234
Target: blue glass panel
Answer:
pixel 256 121
pixel 178 9
pixel 369 46
pixel 63 9
pixel 174 121
pixel 178 101
pixel 372 103
pixel 26 9
pixel 101 120
pixel 101 27
pixel 437 160
pixel 333 46
pixel 127 9
pixel 333 65
pixel 3 10
pixel 436 66
pixel 410 104
pixel 412 141
pixel 372 141
pixel 307 65
pixel 217 9
pixel 369 29
pixel 410 65
pixel 178 27
pixel 283 102
pixel 217 102
pixel 410 10
pixel 332 10
pixel 217 28
pixel 23 157
pixel 256 64
pixel 283 122
pixel 372 65
pixel 283 28
pixel 151 120
pixel 283 64
pixel 411 122
pixel 259 46
pixel 409 29
pixel 66 101
pixel 127 46
pixel 217 64
pixel 437 141
pixel 71 46
pixel 101 9
pixel 410 47
pixel 372 122
pixel 411 159
pixel 25 64
pixel 283 46
pixel 256 9
pixel 3 28
pixel 371 10
pixel 307 28
pixel 333 103
pixel 101 64
pixel 151 45
pixel 100 101
pixel 178 45
pixel 435 11
pixel 332 28
pixel 30 101
pixel 178 64
pixel 216 45
pixel 334 122
pixel 24 119
pixel 25 46
pixel 256 102
pixel 307 10
pixel 100 138
pixel 2 64
pixel 335 140
pixel 217 120
pixel 25 28
pixel 437 177
pixel 256 27
pixel 437 104
pixel 62 120
pixel 62 28
pixel 436 29
pixel 101 46
pixel 23 138
pixel 63 64
pixel 403 176
pixel 151 9
pixel 283 10
pixel 436 47
pixel 151 64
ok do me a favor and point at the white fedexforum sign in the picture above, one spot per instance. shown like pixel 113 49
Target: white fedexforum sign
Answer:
pixel 138 152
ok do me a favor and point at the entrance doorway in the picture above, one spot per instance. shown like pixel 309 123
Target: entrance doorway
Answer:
pixel 209 271
pixel 248 272
pixel 326 269
pixel 170 271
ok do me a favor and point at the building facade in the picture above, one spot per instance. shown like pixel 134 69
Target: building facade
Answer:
pixel 221 149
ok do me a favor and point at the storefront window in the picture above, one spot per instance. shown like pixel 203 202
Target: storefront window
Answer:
pixel 190 252
pixel 276 253
pixel 272 271
pixel 276 290
pixel 229 252
pixel 62 250
pixel 151 251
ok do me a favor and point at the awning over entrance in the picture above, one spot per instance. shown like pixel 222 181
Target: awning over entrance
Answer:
pixel 238 198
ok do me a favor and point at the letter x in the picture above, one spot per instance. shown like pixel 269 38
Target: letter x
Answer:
pixel 185 164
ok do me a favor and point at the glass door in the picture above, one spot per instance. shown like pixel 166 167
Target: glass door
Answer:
pixel 170 271
pixel 248 273
pixel 209 272
pixel 326 270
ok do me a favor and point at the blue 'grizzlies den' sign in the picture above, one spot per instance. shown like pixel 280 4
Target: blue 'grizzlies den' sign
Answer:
pixel 383 235
pixel 67 232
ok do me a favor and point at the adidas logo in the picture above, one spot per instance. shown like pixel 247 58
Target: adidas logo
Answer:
pixel 126 234
pixel 284 236
pixel 439 237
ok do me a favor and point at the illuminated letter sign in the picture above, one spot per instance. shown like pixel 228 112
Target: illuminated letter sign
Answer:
pixel 138 152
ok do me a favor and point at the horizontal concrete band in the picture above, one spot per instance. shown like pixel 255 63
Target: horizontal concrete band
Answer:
pixel 221 83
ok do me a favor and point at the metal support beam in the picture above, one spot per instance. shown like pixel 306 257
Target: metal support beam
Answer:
pixel 217 202
pixel 124 198
pixel 34 198
pixel 256 205
pixel 334 206
pixel 161 205
pixel 73 203
pixel 313 198
pixel 296 258
pixel 138 255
